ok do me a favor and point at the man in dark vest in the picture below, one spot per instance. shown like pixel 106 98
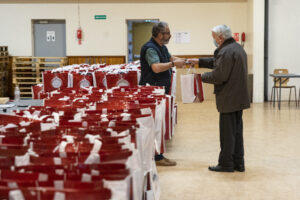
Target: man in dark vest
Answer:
pixel 156 63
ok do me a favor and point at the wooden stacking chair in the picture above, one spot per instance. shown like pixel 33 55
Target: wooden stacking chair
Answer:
pixel 284 85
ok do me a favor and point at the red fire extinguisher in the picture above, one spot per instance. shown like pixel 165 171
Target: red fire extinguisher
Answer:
pixel 243 39
pixel 79 35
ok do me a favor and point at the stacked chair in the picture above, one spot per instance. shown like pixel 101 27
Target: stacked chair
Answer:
pixel 284 85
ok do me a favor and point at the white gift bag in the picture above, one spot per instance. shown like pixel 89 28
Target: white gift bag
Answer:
pixel 191 87
pixel 187 88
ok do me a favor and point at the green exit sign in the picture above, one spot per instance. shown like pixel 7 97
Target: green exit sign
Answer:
pixel 100 16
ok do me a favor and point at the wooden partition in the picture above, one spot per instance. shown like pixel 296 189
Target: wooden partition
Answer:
pixel 111 60
pixel 4 62
pixel 114 59
pixel 208 89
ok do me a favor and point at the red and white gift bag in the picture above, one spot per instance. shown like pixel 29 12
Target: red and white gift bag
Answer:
pixel 191 88
pixel 198 88
pixel 55 81
pixel 36 91
pixel 82 80
pixel 100 79
pixel 126 79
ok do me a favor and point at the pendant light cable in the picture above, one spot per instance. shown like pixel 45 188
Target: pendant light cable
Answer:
pixel 78 10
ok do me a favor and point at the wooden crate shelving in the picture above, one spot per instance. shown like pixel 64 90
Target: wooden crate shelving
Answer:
pixel 3 86
pixel 27 71
pixel 4 61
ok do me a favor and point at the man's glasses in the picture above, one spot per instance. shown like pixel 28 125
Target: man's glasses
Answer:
pixel 166 33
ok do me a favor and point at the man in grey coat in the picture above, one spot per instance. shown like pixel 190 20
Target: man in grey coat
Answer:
pixel 229 76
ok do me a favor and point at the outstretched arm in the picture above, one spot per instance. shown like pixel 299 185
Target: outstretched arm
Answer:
pixel 202 62
pixel 161 67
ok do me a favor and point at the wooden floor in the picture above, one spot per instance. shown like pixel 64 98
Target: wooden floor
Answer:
pixel 272 155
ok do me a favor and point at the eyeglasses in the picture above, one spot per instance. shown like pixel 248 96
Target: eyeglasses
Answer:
pixel 166 33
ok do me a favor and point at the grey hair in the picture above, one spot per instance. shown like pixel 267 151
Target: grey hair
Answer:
pixel 222 30
pixel 159 28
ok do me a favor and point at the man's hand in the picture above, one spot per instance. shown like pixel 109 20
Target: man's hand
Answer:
pixel 161 67
pixel 193 61
pixel 179 62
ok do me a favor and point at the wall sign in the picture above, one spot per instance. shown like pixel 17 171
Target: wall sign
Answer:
pixel 103 17
pixel 182 37
pixel 50 36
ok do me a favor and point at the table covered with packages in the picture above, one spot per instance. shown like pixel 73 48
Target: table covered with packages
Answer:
pixel 93 136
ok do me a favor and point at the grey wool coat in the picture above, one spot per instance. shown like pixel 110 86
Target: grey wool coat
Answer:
pixel 229 76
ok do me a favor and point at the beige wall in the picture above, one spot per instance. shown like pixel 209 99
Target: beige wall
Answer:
pixel 109 37
pixel 249 36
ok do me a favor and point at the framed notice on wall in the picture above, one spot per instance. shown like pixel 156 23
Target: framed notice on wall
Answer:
pixel 182 37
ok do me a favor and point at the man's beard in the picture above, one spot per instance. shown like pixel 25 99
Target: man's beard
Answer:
pixel 165 41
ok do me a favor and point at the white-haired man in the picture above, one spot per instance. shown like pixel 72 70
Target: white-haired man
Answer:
pixel 229 76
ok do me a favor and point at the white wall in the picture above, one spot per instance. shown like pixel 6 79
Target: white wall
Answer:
pixel 258 50
pixel 284 43
pixel 109 37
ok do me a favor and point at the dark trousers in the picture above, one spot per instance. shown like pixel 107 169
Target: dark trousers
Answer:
pixel 231 140
pixel 158 157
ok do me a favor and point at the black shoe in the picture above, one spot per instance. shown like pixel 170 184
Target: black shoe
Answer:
pixel 239 168
pixel 219 168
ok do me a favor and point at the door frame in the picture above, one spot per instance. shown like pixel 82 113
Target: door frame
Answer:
pixel 128 33
pixel 43 21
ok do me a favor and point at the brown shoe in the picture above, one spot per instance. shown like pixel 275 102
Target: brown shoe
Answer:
pixel 165 162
